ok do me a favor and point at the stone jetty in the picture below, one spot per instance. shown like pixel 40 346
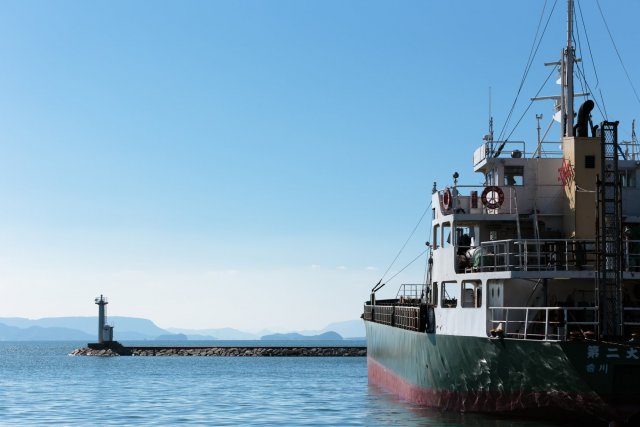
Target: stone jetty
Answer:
pixel 224 351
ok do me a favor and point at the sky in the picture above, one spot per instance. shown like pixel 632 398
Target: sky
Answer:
pixel 258 164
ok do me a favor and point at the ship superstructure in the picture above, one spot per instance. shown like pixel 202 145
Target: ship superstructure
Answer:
pixel 532 297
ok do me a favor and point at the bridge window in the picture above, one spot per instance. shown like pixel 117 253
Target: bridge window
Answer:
pixel 436 236
pixel 446 235
pixel 513 175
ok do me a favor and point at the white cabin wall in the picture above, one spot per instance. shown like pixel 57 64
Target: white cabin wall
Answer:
pixel 444 260
pixel 461 321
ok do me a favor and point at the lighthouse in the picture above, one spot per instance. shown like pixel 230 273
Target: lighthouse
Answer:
pixel 105 332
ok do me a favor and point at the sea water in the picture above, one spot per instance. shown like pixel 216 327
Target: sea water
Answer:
pixel 40 384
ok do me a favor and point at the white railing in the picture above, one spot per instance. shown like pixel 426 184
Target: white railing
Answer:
pixel 410 291
pixel 552 323
pixel 535 255
pixel 544 323
pixel 490 149
pixel 547 255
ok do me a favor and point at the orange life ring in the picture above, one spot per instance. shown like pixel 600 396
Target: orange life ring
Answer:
pixel 446 199
pixel 492 197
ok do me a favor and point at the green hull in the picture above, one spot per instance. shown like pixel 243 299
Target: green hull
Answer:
pixel 584 378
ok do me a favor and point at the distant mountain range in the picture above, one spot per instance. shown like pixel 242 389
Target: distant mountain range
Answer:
pixel 72 328
pixel 134 328
pixel 38 333
pixel 347 329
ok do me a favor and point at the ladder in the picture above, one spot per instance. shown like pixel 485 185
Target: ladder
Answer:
pixel 609 236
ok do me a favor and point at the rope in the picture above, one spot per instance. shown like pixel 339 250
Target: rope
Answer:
pixel 406 241
pixel 618 53
pixel 426 264
pixel 576 39
pixel 530 104
pixel 581 72
pixel 587 88
pixel 532 54
pixel 404 268
pixel 586 36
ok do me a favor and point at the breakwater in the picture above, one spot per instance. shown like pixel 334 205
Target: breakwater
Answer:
pixel 223 351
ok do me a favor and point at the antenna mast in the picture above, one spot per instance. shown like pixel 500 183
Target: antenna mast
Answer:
pixel 567 76
pixel 488 138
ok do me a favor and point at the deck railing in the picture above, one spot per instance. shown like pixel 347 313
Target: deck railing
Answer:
pixel 410 291
pixel 490 149
pixel 383 314
pixel 537 255
pixel 545 255
pixel 552 323
pixel 533 323
pixel 544 323
pixel 398 315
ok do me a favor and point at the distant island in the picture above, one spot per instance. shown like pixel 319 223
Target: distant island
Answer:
pixel 294 336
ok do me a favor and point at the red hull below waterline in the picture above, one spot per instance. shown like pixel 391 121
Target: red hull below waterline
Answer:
pixel 487 402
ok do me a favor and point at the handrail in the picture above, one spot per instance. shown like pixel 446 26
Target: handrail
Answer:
pixel 488 150
pixel 410 291
pixel 544 323
pixel 398 315
pixel 462 203
pixel 545 255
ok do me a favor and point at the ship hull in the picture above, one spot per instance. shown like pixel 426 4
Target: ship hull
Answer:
pixel 476 374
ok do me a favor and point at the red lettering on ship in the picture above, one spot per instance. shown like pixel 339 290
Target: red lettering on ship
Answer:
pixel 566 172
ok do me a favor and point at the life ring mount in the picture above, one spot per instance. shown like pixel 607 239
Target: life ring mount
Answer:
pixel 492 197
pixel 446 199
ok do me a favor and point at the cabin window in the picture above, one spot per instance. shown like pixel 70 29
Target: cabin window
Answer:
pixel 628 178
pixel 436 236
pixel 471 294
pixel 450 294
pixel 513 175
pixel 446 235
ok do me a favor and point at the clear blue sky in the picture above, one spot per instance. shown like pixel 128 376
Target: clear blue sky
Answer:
pixel 253 164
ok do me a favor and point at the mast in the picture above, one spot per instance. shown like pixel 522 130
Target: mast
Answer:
pixel 568 60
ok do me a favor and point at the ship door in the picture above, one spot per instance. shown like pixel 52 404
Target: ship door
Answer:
pixel 496 293
pixel 495 300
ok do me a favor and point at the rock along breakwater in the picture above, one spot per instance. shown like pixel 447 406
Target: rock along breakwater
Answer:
pixel 223 351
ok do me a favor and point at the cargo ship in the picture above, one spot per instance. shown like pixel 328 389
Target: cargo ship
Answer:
pixel 531 302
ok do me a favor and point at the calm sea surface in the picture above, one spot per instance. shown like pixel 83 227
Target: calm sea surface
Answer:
pixel 41 384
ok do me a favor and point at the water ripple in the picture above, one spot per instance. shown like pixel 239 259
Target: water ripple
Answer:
pixel 41 385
